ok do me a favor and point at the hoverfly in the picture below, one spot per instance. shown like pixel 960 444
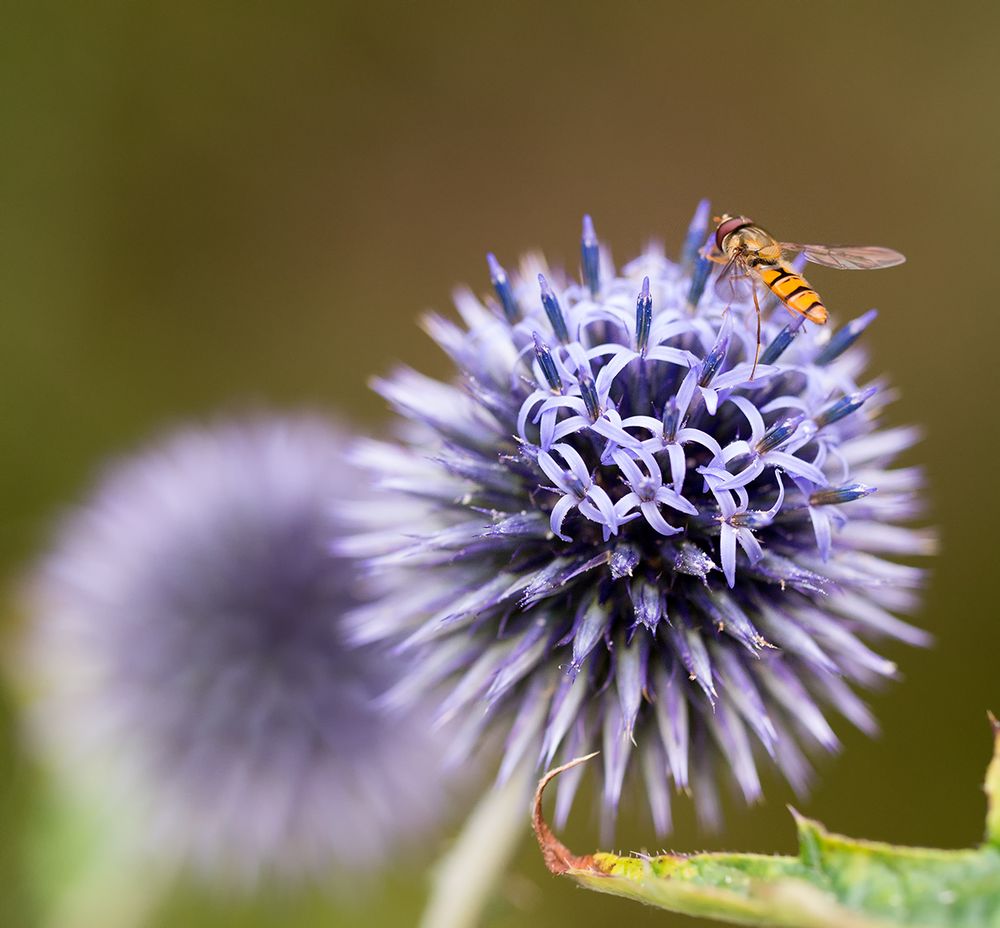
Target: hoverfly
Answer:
pixel 749 253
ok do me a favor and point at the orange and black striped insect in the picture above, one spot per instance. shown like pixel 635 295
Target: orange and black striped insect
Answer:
pixel 749 253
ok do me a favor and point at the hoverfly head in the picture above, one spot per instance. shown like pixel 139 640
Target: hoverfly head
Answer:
pixel 727 225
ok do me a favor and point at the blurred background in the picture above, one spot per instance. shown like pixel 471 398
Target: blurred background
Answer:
pixel 222 206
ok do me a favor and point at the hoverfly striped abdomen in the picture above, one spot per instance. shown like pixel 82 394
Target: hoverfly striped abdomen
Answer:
pixel 793 290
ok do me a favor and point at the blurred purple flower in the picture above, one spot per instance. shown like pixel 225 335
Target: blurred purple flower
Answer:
pixel 188 643
pixel 606 535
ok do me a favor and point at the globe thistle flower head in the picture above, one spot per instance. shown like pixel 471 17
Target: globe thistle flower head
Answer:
pixel 611 532
pixel 188 647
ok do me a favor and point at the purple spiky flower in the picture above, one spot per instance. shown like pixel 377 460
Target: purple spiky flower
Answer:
pixel 605 535
pixel 187 650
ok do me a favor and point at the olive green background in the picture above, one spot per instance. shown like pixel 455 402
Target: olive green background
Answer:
pixel 228 206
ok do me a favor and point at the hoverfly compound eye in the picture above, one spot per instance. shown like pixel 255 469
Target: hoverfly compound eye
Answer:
pixel 727 226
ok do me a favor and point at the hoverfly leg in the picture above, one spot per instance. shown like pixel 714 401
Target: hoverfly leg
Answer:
pixel 756 306
pixel 712 254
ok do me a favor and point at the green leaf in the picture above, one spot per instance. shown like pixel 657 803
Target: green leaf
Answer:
pixel 833 882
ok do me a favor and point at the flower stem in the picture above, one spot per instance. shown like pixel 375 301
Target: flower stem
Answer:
pixel 467 875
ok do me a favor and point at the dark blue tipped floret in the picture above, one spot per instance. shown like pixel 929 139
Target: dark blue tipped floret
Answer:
pixel 844 407
pixel 778 434
pixel 623 561
pixel 831 496
pixel 643 317
pixel 844 337
pixel 713 361
pixel 547 365
pixel 696 234
pixel 671 419
pixel 553 310
pixel 589 393
pixel 702 271
pixel 504 291
pixel 647 599
pixel 776 347
pixel 590 252
pixel 693 561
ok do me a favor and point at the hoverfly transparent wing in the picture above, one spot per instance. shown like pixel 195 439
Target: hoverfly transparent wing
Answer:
pixel 733 284
pixel 845 257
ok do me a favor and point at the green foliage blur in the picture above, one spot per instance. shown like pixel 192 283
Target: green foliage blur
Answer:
pixel 210 207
